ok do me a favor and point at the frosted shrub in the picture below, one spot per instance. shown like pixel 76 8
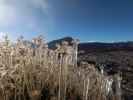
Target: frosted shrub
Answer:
pixel 29 70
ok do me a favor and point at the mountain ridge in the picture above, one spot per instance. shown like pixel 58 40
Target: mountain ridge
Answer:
pixel 96 46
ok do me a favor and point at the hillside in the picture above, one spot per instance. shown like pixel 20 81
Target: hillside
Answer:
pixel 116 57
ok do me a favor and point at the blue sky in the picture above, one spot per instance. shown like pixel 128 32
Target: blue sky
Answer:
pixel 87 20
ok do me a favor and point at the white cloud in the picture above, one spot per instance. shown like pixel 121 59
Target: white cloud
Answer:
pixel 2 35
pixel 13 12
pixel 7 14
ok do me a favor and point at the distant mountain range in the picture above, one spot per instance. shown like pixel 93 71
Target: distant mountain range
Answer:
pixel 96 46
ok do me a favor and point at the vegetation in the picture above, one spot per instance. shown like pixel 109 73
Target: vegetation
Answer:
pixel 32 71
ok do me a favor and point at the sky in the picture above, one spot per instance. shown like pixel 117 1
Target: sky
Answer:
pixel 86 20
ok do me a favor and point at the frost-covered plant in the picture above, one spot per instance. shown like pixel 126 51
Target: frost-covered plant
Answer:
pixel 29 70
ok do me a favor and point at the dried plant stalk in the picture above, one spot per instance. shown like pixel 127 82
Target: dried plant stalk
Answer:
pixel 30 70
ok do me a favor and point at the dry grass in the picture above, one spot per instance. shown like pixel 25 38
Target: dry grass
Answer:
pixel 31 71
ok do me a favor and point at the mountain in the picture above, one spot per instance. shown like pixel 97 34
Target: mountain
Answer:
pixel 96 46
pixel 116 57
pixel 106 47
pixel 53 43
